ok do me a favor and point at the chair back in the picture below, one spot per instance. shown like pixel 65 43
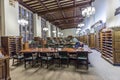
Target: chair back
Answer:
pixel 13 54
pixel 82 54
pixel 27 55
pixel 42 54
pixel 63 53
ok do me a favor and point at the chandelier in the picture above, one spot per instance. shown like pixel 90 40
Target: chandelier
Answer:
pixel 23 22
pixel 87 12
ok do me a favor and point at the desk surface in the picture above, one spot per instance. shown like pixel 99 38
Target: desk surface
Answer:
pixel 87 49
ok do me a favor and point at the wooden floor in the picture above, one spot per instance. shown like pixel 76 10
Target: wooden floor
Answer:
pixel 99 70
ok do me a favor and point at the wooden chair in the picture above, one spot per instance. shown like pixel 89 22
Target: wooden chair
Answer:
pixel 82 58
pixel 45 58
pixel 28 57
pixel 17 57
pixel 63 55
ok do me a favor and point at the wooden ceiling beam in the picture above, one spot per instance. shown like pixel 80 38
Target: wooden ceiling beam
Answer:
pixel 81 5
pixel 68 24
pixel 43 6
pixel 63 14
pixel 67 27
pixel 32 3
pixel 67 18
pixel 26 1
pixel 28 7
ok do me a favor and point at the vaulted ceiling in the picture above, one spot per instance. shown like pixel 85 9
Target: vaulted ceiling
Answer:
pixel 62 13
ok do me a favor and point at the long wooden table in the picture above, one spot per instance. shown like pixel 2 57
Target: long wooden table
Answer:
pixel 54 50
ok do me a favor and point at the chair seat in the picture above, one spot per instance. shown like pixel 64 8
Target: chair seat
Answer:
pixel 30 58
pixel 63 57
pixel 82 58
pixel 46 58
pixel 18 57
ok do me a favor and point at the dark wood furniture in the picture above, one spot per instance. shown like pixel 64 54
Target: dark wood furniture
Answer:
pixel 91 38
pixel 4 69
pixel 82 59
pixel 64 57
pixel 30 58
pixel 111 45
pixel 11 44
pixel 55 54
pixel 17 57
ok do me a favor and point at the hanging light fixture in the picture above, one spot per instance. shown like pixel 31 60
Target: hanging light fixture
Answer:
pixel 81 25
pixel 87 12
pixel 23 22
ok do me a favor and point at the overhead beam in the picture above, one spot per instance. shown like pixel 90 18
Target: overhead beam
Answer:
pixel 32 3
pixel 28 7
pixel 67 18
pixel 68 24
pixel 63 14
pixel 26 1
pixel 43 6
pixel 68 27
pixel 81 5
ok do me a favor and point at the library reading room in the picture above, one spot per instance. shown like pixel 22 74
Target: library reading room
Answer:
pixel 59 39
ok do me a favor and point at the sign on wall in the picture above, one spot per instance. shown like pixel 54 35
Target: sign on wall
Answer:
pixel 117 11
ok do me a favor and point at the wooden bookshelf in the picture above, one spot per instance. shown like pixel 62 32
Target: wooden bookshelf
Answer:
pixel 111 45
pixel 91 38
pixel 81 38
pixel 11 44
pixel 99 43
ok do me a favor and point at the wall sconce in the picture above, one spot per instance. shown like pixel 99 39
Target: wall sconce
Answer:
pixel 45 29
pixel 54 31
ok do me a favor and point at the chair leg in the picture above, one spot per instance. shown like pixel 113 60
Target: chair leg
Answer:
pixel 47 63
pixel 13 62
pixel 59 62
pixel 32 63
pixel 77 64
pixel 87 64
pixel 41 63
pixel 67 63
pixel 25 64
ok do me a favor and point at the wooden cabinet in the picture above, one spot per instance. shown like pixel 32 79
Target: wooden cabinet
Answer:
pixel 11 44
pixel 4 69
pixel 111 45
pixel 98 40
pixel 91 39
